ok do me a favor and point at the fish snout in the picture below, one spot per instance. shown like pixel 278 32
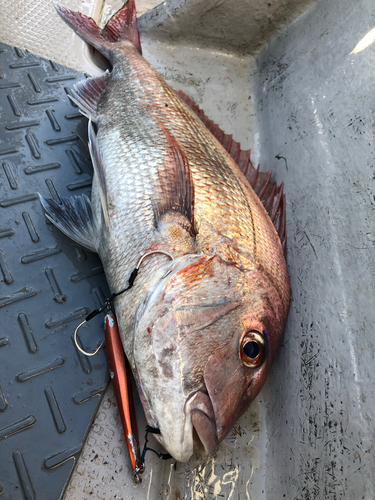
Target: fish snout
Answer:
pixel 203 421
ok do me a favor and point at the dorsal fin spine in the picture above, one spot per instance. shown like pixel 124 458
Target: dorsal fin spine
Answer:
pixel 263 190
pixel 271 195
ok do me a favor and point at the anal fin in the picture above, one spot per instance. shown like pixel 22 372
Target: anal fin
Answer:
pixel 74 217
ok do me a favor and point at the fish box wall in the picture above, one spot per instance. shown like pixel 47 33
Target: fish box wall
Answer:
pixel 305 106
pixel 315 109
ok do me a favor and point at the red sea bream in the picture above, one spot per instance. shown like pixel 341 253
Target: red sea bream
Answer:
pixel 200 330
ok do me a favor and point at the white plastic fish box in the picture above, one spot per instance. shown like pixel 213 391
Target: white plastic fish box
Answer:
pixel 293 81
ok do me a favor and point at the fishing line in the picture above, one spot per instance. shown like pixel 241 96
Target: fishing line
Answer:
pixel 163 456
pixel 108 304
pixel 138 471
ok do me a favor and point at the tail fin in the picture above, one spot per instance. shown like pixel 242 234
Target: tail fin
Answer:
pixel 121 26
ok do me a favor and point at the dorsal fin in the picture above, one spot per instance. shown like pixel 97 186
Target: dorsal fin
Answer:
pixel 270 194
pixel 176 186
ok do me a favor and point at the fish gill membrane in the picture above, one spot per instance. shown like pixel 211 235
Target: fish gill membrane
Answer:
pixel 200 332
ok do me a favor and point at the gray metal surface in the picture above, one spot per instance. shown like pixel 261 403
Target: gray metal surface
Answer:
pixel 306 108
pixel 241 27
pixel 49 392
pixel 316 105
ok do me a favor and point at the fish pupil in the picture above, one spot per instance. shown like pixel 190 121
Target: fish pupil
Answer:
pixel 251 349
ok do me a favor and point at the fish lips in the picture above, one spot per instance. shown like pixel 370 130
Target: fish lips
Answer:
pixel 202 415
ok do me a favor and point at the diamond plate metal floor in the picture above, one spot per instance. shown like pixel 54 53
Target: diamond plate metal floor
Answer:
pixel 49 392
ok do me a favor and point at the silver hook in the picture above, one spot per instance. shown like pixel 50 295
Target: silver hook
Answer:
pixel 79 348
pixel 110 300
pixel 150 253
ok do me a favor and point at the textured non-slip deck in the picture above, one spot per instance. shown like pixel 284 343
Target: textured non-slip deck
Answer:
pixel 49 392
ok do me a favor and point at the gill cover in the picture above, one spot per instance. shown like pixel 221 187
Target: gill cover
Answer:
pixel 186 351
pixel 171 320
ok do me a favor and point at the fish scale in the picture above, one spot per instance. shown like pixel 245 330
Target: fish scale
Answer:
pixel 164 183
pixel 186 131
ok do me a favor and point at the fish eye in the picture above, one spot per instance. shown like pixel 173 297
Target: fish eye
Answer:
pixel 252 349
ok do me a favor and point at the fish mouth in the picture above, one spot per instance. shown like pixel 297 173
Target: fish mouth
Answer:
pixel 203 420
pixel 196 429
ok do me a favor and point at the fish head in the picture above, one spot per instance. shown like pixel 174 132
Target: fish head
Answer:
pixel 205 339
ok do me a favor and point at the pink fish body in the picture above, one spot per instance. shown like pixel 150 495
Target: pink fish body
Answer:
pixel 200 331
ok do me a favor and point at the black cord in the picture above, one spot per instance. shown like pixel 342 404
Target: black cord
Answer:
pixel 163 456
pixel 108 304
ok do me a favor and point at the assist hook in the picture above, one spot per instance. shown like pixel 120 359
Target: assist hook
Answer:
pixel 108 304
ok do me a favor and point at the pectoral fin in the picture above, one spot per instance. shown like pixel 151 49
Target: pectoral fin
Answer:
pixel 175 193
pixel 270 194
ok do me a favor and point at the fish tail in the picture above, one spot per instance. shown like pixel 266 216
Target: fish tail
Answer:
pixel 121 27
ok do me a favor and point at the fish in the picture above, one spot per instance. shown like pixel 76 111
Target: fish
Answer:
pixel 176 198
